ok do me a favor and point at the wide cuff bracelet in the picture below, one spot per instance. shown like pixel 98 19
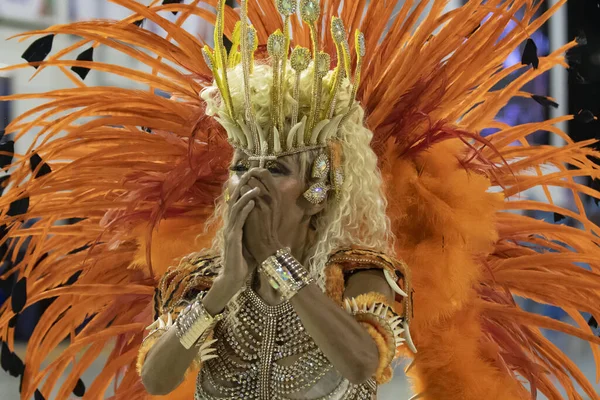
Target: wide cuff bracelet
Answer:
pixel 285 273
pixel 194 324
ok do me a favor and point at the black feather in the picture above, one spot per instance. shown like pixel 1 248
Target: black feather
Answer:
pixel 79 390
pixel 544 101
pixel 35 161
pixel 139 22
pixel 558 217
pixel 74 220
pixel 80 249
pixel 73 278
pixel 7 147
pixel 38 395
pixel 7 284
pixel 13 321
pixel 16 366
pixel 11 362
pixel 573 57
pixel 592 322
pixel 581 38
pixel 529 55
pixel 584 116
pixel 87 55
pixel 18 207
pixel 595 184
pixel 19 295
pixel 2 180
pixel 5 357
pixel 474 30
pixel 166 2
pixel 42 258
pixel 39 50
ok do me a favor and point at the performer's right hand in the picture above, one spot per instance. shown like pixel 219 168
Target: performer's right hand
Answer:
pixel 235 265
pixel 241 203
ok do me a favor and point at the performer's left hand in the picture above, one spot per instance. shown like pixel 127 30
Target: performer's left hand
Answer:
pixel 261 238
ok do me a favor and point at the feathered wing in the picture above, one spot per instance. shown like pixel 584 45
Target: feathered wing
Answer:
pixel 427 88
pixel 428 95
pixel 119 161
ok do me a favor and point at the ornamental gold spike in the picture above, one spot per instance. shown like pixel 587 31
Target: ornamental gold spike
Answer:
pixel 338 32
pixel 299 62
pixel 310 10
pixel 277 50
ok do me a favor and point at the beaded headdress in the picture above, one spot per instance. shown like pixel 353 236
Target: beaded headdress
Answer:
pixel 284 136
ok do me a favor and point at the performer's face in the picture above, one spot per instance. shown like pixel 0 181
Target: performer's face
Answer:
pixel 281 203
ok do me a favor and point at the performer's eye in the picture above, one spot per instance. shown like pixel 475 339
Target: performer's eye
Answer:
pixel 276 168
pixel 240 167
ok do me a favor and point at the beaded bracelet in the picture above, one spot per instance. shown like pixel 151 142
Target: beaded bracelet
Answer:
pixel 194 324
pixel 285 273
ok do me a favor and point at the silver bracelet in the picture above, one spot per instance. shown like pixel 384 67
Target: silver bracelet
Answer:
pixel 285 273
pixel 194 324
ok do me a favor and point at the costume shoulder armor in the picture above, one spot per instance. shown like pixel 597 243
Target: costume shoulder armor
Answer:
pixel 344 262
pixel 181 284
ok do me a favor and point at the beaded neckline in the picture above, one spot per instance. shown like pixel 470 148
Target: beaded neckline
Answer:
pixel 262 306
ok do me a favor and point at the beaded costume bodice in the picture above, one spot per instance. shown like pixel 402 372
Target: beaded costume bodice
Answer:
pixel 264 353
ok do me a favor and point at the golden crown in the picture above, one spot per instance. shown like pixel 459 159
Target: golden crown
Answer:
pixel 283 136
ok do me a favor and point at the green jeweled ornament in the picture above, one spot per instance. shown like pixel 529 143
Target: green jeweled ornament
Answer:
pixel 287 7
pixel 300 58
pixel 310 10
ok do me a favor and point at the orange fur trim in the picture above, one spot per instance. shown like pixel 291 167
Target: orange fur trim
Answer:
pixel 384 370
pixel 346 261
pixel 334 282
pixel 382 335
pixel 194 273
pixel 356 259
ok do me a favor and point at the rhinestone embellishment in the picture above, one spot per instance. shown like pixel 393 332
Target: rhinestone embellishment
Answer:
pixel 338 178
pixel 323 62
pixel 300 58
pixel 316 193
pixel 320 167
pixel 337 30
pixel 276 45
pixel 361 47
pixel 208 59
pixel 286 7
pixel 310 10
pixel 249 347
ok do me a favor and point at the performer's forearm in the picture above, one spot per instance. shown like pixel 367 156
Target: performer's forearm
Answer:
pixel 168 360
pixel 166 364
pixel 345 343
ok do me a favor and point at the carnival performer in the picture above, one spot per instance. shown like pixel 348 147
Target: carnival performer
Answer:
pixel 307 206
